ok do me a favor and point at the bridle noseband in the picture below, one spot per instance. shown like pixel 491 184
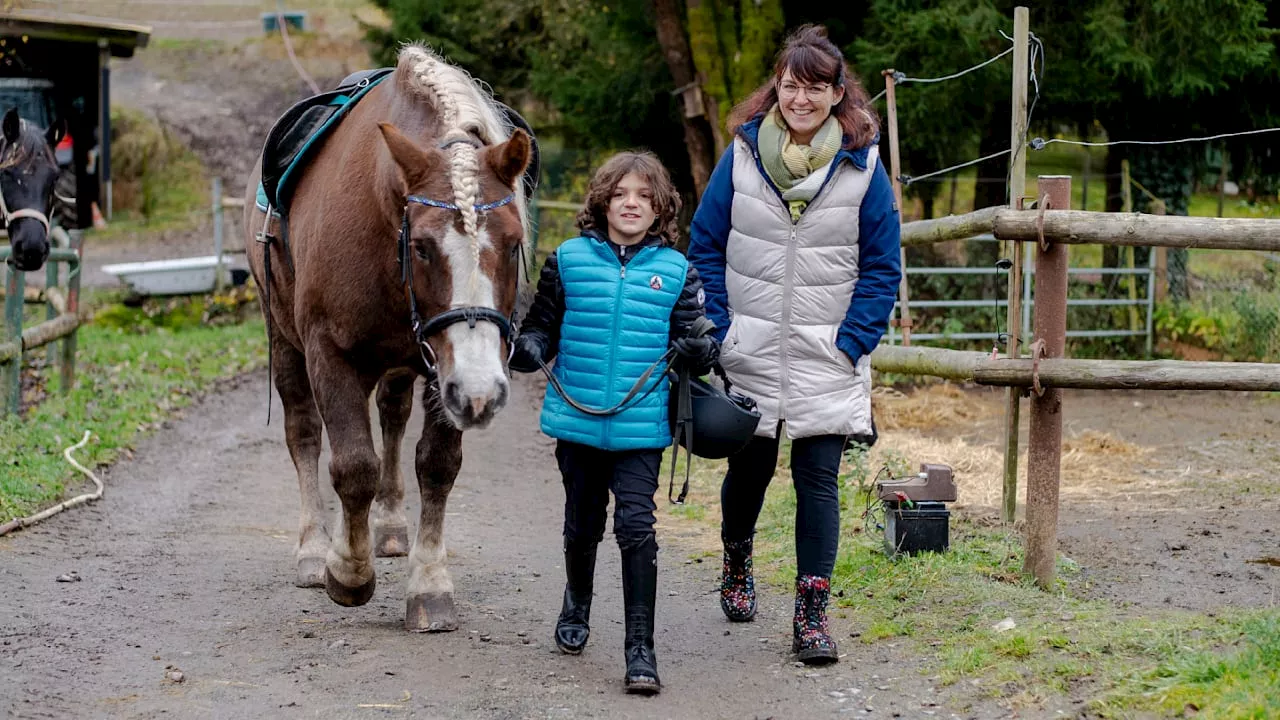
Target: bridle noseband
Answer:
pixel 470 314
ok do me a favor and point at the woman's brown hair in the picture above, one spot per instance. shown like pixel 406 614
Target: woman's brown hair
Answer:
pixel 666 201
pixel 813 58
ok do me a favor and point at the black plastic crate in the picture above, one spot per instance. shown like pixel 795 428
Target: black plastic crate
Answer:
pixel 912 530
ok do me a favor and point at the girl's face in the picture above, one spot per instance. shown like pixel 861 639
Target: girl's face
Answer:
pixel 805 106
pixel 631 211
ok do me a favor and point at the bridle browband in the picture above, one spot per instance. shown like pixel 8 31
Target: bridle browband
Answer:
pixel 470 314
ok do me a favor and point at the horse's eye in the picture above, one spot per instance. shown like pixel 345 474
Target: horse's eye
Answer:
pixel 420 249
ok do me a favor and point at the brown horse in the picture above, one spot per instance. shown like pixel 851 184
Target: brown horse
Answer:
pixel 402 259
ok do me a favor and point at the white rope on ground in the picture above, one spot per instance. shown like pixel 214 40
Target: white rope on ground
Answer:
pixel 77 500
pixel 288 46
pixel 1040 143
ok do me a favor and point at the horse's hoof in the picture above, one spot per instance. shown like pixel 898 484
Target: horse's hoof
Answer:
pixel 391 541
pixel 430 612
pixel 311 573
pixel 348 596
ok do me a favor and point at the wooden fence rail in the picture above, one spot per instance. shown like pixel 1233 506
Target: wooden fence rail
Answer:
pixel 980 368
pixel 1086 227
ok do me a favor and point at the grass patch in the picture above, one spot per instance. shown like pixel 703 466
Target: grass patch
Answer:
pixel 950 607
pixel 135 368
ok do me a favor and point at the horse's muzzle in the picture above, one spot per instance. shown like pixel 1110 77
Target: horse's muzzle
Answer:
pixel 474 409
pixel 29 254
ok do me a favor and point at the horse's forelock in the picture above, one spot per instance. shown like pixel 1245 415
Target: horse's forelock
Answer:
pixel 31 143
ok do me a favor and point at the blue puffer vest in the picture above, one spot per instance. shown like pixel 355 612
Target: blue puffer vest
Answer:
pixel 616 324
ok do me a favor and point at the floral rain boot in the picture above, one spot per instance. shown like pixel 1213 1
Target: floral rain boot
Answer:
pixel 813 644
pixel 737 585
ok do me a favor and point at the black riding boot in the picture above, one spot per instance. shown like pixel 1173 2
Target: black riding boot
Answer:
pixel 572 630
pixel 639 594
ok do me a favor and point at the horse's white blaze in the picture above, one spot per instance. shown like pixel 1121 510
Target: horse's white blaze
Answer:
pixel 477 352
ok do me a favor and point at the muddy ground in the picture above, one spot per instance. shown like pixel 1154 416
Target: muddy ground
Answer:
pixel 186 564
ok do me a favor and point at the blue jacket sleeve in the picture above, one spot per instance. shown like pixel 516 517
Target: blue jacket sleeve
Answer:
pixel 708 235
pixel 879 270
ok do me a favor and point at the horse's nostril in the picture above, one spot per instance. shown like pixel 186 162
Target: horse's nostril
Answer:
pixel 501 394
pixel 453 397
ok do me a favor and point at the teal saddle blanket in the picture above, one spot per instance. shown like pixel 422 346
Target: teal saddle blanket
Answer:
pixel 301 130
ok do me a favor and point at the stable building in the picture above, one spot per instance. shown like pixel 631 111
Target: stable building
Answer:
pixel 57 66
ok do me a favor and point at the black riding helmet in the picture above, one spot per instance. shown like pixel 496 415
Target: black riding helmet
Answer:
pixel 723 422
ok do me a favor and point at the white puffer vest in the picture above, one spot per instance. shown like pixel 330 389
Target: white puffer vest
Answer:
pixel 789 287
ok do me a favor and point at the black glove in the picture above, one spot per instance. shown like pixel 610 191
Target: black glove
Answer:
pixel 698 354
pixel 529 353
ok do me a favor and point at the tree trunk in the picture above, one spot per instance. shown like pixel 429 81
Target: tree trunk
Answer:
pixel 761 22
pixel 706 49
pixel 731 43
pixel 699 138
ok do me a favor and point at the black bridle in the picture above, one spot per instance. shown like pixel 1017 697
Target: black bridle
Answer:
pixel 470 314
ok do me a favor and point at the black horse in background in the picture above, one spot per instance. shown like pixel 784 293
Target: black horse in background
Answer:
pixel 28 172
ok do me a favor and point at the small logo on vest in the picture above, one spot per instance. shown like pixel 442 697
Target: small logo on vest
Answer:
pixel 655 282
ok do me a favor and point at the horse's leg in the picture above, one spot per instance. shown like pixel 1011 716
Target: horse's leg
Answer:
pixel 429 600
pixel 302 432
pixel 342 394
pixel 395 403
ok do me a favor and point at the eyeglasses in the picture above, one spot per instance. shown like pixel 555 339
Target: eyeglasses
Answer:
pixel 813 92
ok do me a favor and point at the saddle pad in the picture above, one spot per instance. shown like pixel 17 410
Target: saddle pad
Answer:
pixel 301 129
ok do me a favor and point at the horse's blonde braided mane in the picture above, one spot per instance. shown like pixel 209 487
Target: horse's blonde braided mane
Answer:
pixel 464 163
pixel 467 113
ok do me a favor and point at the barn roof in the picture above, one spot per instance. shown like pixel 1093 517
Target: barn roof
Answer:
pixel 121 37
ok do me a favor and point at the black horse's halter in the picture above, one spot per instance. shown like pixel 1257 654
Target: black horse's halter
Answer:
pixel 470 314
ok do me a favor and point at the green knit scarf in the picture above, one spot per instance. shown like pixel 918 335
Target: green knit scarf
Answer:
pixel 788 164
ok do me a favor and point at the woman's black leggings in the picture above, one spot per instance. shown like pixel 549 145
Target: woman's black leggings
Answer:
pixel 815 469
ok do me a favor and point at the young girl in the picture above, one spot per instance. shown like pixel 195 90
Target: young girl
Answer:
pixel 609 304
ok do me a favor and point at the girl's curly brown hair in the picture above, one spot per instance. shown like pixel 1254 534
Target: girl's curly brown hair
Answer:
pixel 666 201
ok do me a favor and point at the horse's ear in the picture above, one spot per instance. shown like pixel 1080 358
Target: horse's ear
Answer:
pixel 55 132
pixel 415 163
pixel 509 159
pixel 12 126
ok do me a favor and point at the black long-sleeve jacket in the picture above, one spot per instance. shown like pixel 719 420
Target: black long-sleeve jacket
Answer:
pixel 547 312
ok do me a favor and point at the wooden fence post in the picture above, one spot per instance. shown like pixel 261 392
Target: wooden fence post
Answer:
pixel 14 286
pixel 1044 451
pixel 217 234
pixel 1017 188
pixel 891 100
pixel 73 307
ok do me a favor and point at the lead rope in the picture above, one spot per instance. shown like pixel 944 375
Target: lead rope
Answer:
pixel 684 415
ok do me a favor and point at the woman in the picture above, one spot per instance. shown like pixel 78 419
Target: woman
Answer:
pixel 796 241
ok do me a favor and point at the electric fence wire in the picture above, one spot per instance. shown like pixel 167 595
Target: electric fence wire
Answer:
pixel 902 79
pixel 1041 143
pixel 1036 57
